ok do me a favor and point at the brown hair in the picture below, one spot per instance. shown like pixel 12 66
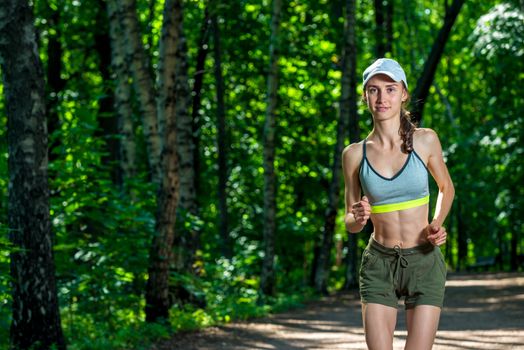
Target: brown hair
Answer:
pixel 406 129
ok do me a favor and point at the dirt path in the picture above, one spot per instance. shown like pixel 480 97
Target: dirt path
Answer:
pixel 481 312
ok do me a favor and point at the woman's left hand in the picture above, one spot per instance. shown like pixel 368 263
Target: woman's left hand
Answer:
pixel 436 234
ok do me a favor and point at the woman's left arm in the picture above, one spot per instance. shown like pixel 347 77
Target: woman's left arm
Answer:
pixel 446 191
pixel 439 171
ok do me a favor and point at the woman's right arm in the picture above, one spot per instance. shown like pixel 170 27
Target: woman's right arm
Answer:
pixel 357 210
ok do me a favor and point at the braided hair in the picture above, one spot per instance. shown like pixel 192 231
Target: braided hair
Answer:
pixel 406 130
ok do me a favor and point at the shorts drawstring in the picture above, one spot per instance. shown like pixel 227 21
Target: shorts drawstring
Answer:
pixel 402 262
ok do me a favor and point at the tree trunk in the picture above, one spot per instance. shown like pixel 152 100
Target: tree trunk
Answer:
pixel 171 81
pixel 380 28
pixel 107 121
pixel 347 104
pixel 189 234
pixel 122 94
pixel 144 86
pixel 389 26
pixel 267 279
pixel 187 241
pixel 383 27
pixel 430 67
pixel 222 144
pixel 35 318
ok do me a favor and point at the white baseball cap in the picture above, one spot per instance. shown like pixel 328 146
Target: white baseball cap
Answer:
pixel 386 66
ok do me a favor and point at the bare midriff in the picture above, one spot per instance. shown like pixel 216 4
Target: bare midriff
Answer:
pixel 404 228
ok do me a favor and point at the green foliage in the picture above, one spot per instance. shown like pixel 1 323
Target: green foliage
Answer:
pixel 103 228
pixel 92 335
pixel 500 32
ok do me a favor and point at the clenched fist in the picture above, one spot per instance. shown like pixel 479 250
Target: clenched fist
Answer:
pixel 436 234
pixel 361 211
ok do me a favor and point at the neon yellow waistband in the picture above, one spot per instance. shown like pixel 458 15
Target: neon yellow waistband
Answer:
pixel 386 208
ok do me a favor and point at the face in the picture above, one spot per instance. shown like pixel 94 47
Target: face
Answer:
pixel 385 96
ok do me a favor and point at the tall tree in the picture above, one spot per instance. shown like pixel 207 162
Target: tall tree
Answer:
pixel 144 85
pixel 430 67
pixel 187 205
pixel 161 110
pixel 347 105
pixel 383 27
pixel 107 120
pixel 169 76
pixel 122 94
pixel 35 317
pixel 267 279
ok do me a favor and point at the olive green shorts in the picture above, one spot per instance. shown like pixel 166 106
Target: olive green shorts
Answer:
pixel 387 274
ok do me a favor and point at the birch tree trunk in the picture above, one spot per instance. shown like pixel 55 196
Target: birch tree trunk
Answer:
pixel 122 100
pixel 185 149
pixel 222 144
pixel 35 317
pixel 430 67
pixel 267 279
pixel 347 105
pixel 144 85
pixel 171 83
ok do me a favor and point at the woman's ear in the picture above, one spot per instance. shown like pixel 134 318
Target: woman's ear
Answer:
pixel 404 95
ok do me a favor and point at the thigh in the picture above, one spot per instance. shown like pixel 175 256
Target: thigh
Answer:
pixel 422 323
pixel 379 325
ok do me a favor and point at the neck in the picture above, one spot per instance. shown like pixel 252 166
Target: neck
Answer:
pixel 386 132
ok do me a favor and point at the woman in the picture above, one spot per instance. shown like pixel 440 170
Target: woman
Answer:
pixel 402 258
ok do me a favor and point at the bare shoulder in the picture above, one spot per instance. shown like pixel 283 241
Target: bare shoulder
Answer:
pixel 352 154
pixel 426 139
pixel 353 150
pixel 426 143
pixel 425 135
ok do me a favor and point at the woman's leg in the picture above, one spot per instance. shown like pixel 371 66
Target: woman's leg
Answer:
pixel 379 325
pixel 422 323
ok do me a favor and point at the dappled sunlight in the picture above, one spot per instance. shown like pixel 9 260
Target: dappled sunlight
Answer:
pixel 496 280
pixel 482 311
pixel 485 339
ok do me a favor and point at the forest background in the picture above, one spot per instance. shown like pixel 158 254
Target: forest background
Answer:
pixel 261 96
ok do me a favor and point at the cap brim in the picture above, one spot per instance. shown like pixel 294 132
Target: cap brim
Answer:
pixel 389 74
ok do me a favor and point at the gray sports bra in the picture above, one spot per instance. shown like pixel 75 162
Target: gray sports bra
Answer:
pixel 407 189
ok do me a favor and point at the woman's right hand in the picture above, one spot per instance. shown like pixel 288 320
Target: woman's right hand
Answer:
pixel 361 211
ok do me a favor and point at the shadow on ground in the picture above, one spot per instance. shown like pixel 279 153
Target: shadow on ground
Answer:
pixel 482 311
